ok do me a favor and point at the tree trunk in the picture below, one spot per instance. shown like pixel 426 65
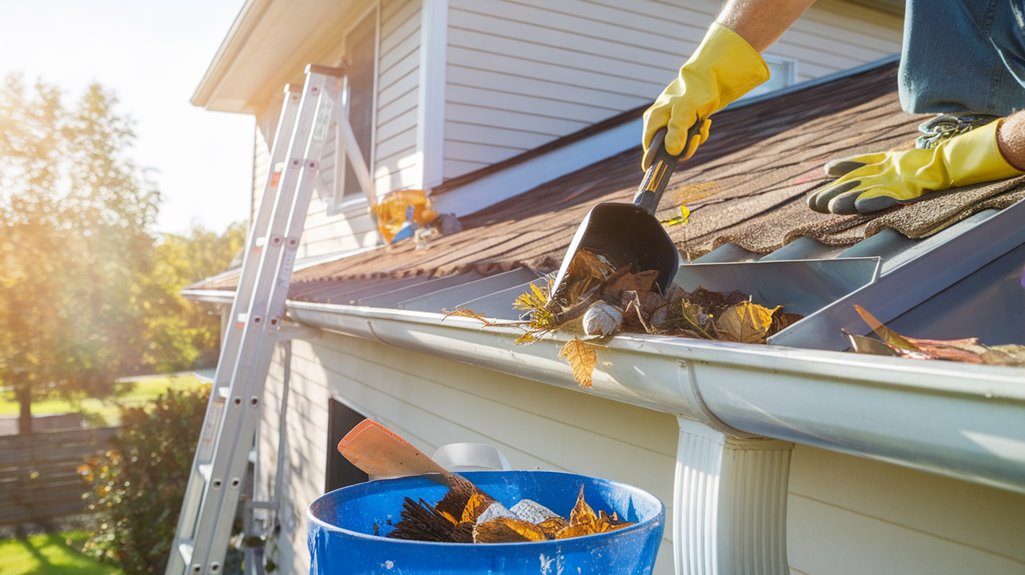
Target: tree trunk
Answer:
pixel 24 410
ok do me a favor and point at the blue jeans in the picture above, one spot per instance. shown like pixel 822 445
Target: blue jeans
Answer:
pixel 963 56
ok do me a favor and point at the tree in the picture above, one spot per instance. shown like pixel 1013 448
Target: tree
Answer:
pixel 182 334
pixel 76 215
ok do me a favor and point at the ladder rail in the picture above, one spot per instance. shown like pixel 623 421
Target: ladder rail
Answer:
pixel 231 340
pixel 204 536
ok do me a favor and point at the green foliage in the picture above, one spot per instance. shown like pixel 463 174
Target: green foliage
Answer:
pixel 183 334
pixel 75 215
pixel 136 488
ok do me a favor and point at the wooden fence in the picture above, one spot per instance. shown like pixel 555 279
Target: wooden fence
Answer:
pixel 39 478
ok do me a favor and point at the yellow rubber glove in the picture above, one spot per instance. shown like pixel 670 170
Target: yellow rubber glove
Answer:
pixel 874 182
pixel 722 69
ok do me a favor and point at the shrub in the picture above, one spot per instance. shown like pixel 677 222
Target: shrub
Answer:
pixel 136 487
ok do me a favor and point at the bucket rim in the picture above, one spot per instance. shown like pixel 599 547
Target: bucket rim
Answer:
pixel 656 519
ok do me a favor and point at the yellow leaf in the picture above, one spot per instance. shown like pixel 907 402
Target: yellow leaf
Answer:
pixel 679 220
pixel 507 530
pixel 582 358
pixel 552 526
pixel 745 322
pixel 526 338
pixel 582 512
pixel 476 505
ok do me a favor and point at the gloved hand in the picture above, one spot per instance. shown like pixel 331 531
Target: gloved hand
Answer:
pixel 872 182
pixel 722 69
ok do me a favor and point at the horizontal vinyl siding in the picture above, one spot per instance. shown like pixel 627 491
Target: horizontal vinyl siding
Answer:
pixel 846 515
pixel 397 162
pixel 521 73
pixel 850 516
pixel 433 401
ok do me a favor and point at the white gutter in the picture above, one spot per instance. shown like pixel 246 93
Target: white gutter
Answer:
pixel 961 420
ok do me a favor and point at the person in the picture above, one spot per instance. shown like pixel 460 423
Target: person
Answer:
pixel 964 59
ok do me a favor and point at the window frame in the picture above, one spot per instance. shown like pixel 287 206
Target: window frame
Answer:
pixel 342 199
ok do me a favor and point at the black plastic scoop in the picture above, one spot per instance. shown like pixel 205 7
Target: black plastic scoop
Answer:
pixel 629 233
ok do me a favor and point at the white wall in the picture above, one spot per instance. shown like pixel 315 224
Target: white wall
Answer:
pixel 847 515
pixel 524 72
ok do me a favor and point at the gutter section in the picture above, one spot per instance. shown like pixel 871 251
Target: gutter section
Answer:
pixel 959 420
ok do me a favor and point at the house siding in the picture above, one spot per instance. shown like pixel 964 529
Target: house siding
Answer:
pixel 521 73
pixel 846 514
pixel 333 226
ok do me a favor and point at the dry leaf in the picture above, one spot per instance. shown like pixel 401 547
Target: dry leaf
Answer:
pixel 587 264
pixel 582 358
pixel 475 505
pixel 745 322
pixel 642 281
pixel 582 512
pixel 507 530
pixel 1010 354
pixel 886 334
pixel 552 526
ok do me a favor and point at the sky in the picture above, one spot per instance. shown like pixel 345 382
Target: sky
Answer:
pixel 152 54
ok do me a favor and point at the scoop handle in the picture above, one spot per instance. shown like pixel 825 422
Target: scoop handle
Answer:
pixel 649 192
pixel 379 452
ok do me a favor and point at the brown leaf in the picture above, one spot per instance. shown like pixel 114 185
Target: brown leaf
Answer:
pixel 582 358
pixel 886 334
pixel 587 264
pixel 462 312
pixel 507 530
pixel 1010 354
pixel 578 530
pixel 642 281
pixel 967 350
pixel 745 322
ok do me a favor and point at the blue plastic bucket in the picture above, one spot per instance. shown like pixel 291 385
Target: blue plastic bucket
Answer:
pixel 347 528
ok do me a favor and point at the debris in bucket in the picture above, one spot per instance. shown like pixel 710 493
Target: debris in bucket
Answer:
pixel 472 517
pixel 597 300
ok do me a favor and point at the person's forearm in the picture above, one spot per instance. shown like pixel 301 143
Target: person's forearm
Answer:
pixel 1011 139
pixel 761 22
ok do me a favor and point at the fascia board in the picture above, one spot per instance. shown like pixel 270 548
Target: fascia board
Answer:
pixel 959 420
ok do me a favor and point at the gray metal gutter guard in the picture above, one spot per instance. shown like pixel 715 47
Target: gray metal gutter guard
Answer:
pixel 960 420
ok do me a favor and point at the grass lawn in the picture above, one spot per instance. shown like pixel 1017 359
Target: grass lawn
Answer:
pixel 132 391
pixel 50 553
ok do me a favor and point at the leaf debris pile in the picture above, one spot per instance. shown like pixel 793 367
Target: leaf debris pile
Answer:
pixel 468 515
pixel 597 300
pixel 967 350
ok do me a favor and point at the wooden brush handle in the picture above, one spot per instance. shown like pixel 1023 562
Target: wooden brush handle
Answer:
pixel 379 452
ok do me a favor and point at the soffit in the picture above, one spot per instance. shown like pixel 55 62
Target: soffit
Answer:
pixel 268 46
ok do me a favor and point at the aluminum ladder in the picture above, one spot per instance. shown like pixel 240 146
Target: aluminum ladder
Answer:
pixel 226 442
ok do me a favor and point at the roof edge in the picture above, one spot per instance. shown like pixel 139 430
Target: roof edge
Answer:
pixel 241 29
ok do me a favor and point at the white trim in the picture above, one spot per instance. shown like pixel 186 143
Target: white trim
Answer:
pixel 430 135
pixel 339 199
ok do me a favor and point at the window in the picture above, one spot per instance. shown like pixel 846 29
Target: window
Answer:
pixel 340 473
pixel 782 73
pixel 359 104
